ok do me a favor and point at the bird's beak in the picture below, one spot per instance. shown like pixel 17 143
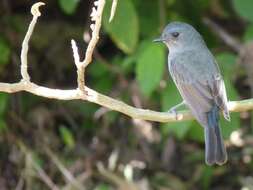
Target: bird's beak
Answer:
pixel 160 39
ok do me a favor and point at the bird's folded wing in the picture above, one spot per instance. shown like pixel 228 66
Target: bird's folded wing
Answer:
pixel 200 84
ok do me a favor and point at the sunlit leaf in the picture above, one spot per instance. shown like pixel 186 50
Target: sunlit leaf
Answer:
pixel 150 67
pixel 124 28
pixel 67 137
pixel 68 6
pixel 244 8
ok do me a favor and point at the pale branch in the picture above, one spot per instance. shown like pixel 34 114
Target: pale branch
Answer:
pixel 91 95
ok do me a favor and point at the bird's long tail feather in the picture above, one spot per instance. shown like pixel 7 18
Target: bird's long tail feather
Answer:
pixel 215 149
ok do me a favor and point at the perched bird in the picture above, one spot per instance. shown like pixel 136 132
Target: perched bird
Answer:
pixel 196 74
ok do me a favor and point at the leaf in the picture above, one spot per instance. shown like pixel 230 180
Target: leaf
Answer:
pixel 124 28
pixel 67 137
pixel 171 97
pixel 150 67
pixel 149 20
pixel 244 8
pixel 68 6
pixel 5 52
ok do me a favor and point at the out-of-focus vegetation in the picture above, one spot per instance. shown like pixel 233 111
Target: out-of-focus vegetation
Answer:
pixel 79 145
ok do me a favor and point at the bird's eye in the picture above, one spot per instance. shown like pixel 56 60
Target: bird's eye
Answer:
pixel 175 34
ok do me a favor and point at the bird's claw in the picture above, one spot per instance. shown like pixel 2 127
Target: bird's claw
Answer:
pixel 173 112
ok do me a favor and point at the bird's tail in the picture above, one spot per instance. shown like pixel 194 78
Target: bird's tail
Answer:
pixel 215 149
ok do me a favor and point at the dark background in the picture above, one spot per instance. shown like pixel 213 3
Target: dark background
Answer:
pixel 103 149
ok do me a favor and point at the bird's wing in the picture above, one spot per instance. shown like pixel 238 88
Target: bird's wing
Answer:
pixel 199 82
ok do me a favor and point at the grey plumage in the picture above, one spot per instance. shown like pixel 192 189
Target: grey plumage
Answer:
pixel 198 79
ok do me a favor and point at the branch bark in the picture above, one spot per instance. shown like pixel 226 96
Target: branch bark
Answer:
pixel 88 94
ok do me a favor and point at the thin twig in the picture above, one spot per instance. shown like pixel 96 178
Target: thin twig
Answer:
pixel 113 10
pixel 96 16
pixel 36 13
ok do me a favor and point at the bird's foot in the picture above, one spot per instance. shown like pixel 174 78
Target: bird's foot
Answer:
pixel 173 111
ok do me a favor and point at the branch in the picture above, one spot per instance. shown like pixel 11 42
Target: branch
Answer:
pixel 88 94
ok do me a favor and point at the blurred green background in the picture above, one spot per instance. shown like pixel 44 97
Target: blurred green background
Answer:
pixel 50 144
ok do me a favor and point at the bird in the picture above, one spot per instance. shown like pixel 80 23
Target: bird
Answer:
pixel 197 77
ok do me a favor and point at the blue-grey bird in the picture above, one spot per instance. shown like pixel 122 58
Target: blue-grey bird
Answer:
pixel 196 74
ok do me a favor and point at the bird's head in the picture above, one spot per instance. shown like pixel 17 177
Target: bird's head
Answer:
pixel 179 35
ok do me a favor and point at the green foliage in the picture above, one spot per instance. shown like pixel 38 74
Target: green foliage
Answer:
pixel 244 8
pixel 67 137
pixel 5 52
pixel 150 67
pixel 68 6
pixel 124 28
pixel 149 20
